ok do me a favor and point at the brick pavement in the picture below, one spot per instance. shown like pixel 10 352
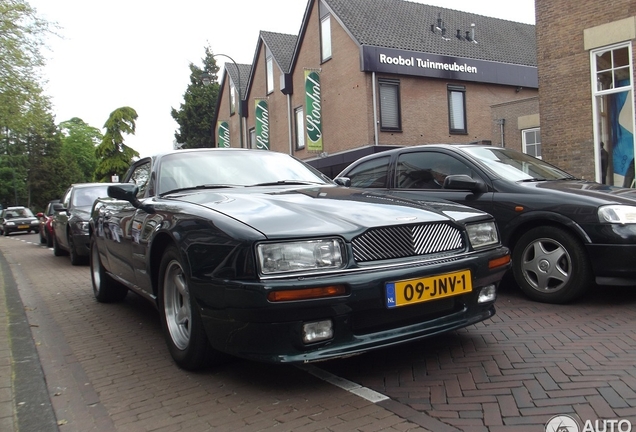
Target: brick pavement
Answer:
pixel 107 368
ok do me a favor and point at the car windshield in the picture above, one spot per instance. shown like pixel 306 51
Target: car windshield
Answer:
pixel 228 168
pixel 516 166
pixel 85 196
pixel 18 213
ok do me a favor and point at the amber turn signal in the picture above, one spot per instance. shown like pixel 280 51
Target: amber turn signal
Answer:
pixel 306 293
pixel 498 262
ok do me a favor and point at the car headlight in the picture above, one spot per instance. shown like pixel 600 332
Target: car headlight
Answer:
pixel 482 234
pixel 82 226
pixel 296 256
pixel 617 214
pixel 35 222
pixel 10 223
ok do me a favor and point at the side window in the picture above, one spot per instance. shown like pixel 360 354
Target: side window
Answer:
pixel 428 170
pixel 370 174
pixel 532 142
pixel 457 109
pixel 269 67
pixel 390 116
pixel 140 177
pixel 66 199
pixel 299 117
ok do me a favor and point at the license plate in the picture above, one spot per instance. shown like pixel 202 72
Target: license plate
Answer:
pixel 403 293
pixel 23 226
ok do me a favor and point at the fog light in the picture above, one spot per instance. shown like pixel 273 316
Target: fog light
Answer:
pixel 487 294
pixel 317 331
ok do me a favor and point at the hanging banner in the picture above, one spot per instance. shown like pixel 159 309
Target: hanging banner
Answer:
pixel 224 134
pixel 261 113
pixel 313 110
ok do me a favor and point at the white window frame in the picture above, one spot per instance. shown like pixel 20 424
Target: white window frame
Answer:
pixel 269 62
pixel 232 97
pixel 299 120
pixel 325 38
pixel 597 95
pixel 537 144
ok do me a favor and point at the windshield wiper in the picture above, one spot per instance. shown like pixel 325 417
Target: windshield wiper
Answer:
pixel 285 182
pixel 204 186
pixel 533 180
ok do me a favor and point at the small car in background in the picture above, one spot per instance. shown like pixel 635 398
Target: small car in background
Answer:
pixel 18 219
pixel 46 227
pixel 565 233
pixel 256 254
pixel 70 220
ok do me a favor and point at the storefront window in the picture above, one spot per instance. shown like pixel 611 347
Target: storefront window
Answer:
pixel 613 103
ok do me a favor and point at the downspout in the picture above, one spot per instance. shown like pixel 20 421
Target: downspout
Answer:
pixel 375 111
pixel 501 129
pixel 289 124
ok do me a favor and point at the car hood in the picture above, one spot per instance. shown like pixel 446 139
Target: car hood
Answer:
pixel 324 210
pixel 602 194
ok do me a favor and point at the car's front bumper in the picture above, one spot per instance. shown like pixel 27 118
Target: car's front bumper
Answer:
pixel 613 264
pixel 239 320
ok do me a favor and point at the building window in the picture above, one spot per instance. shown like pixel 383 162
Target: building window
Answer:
pixel 457 110
pixel 232 98
pixel 252 134
pixel 325 38
pixel 532 142
pixel 270 71
pixel 390 116
pixel 613 108
pixel 299 118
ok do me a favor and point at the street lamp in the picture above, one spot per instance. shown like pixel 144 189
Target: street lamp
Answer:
pixel 205 77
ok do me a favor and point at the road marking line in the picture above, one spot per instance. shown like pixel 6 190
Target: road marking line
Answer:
pixel 350 386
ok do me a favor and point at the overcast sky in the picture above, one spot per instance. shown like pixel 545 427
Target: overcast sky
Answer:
pixel 137 53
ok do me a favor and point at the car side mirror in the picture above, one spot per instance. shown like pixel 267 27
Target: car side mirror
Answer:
pixel 128 192
pixel 465 182
pixel 59 208
pixel 343 181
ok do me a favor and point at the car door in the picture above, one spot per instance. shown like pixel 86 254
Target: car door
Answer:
pixel 122 222
pixel 60 220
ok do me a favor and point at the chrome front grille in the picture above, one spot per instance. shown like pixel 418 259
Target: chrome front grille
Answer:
pixel 406 241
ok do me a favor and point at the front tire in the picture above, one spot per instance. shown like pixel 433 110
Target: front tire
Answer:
pixel 183 329
pixel 76 259
pixel 550 265
pixel 105 288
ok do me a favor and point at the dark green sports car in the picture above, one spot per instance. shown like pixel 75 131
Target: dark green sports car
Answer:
pixel 255 254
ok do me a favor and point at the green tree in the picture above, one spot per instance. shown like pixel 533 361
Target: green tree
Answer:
pixel 196 113
pixel 79 142
pixel 113 156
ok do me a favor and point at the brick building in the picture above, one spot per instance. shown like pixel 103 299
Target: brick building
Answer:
pixel 365 74
pixel 586 81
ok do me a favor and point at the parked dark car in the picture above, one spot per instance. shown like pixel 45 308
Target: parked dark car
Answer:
pixel 18 219
pixel 70 221
pixel 46 226
pixel 256 254
pixel 564 233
